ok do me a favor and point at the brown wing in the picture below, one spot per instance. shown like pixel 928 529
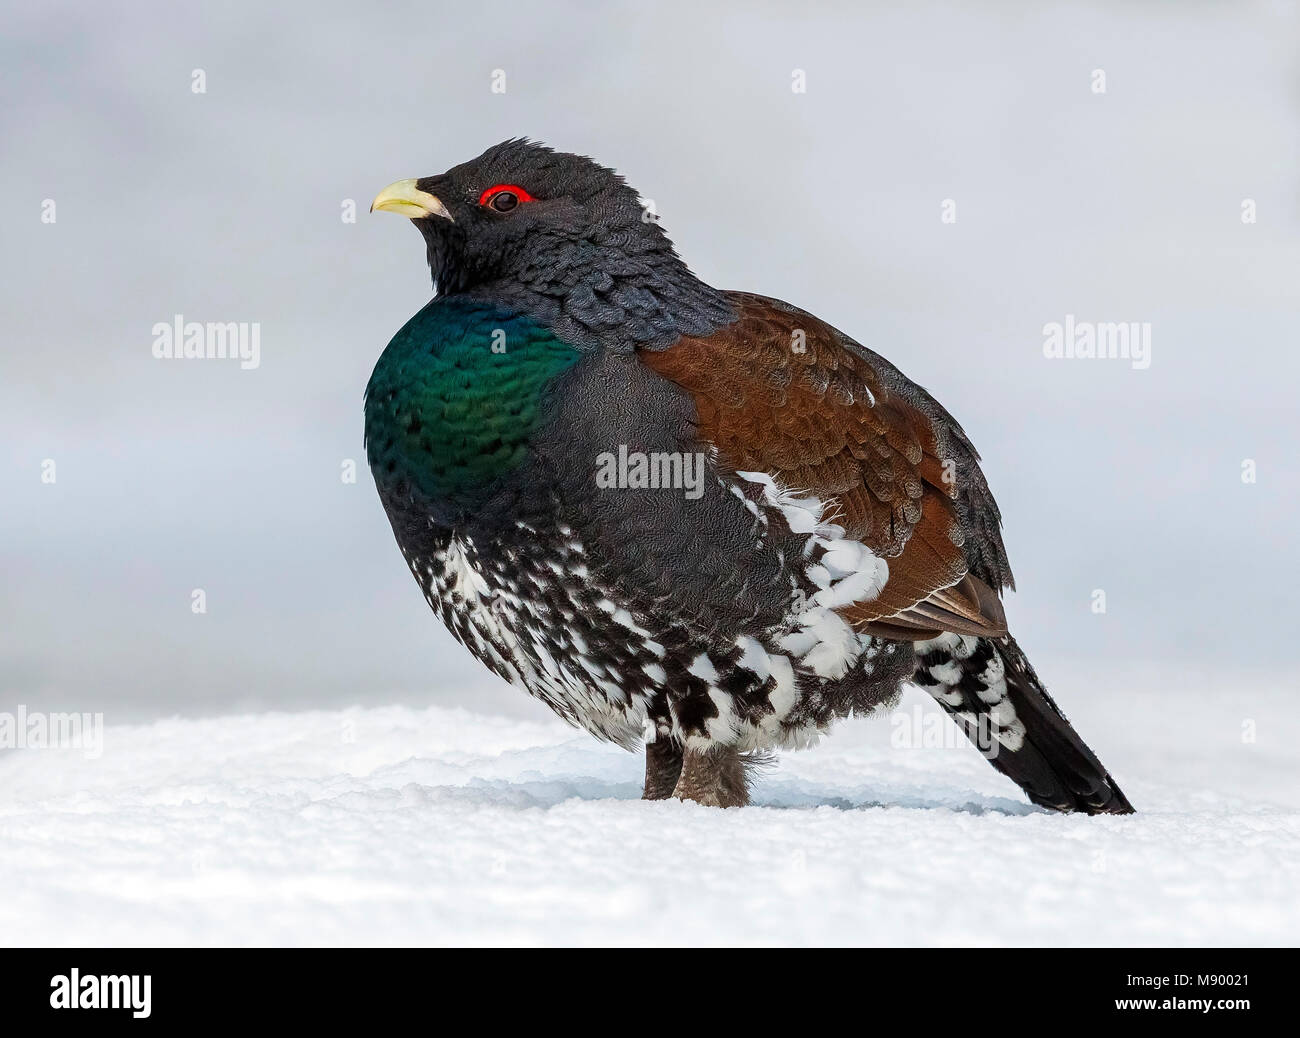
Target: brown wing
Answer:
pixel 781 392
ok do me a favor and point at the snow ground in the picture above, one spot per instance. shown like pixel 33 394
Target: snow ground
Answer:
pixel 395 825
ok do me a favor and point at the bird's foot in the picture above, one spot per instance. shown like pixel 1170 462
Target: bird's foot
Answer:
pixel 663 767
pixel 714 777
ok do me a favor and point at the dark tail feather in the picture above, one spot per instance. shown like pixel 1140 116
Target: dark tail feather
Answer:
pixel 991 691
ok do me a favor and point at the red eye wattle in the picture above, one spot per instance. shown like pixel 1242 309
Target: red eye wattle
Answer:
pixel 504 197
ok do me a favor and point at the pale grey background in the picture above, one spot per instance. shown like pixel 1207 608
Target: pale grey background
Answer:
pixel 225 206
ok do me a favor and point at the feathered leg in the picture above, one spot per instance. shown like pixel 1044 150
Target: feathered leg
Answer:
pixel 714 777
pixel 663 766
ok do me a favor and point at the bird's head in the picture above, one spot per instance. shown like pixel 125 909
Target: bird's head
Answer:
pixel 557 235
pixel 495 216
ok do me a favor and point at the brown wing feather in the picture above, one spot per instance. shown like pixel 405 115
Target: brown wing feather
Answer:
pixel 780 392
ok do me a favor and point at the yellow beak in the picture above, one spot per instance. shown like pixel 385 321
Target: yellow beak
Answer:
pixel 405 199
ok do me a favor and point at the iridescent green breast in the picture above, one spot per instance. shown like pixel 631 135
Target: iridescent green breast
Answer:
pixel 456 398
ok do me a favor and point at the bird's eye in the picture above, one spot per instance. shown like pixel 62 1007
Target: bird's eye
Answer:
pixel 504 197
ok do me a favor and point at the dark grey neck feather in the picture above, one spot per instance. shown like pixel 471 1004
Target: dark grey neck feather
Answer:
pixel 627 292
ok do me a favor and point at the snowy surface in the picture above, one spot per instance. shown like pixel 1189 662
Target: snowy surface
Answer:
pixel 394 825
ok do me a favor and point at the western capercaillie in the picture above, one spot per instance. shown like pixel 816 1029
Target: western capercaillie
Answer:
pixel 703 519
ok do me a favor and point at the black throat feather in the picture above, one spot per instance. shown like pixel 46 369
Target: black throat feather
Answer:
pixel 621 289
